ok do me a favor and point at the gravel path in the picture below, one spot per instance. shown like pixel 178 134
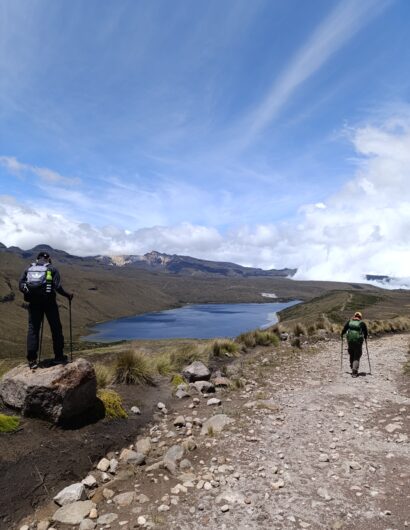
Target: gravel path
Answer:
pixel 309 447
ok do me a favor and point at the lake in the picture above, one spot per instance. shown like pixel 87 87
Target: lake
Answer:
pixel 197 321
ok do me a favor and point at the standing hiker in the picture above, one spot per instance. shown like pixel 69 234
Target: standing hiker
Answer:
pixel 356 332
pixel 39 283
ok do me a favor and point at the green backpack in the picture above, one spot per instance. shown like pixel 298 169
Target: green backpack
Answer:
pixel 354 333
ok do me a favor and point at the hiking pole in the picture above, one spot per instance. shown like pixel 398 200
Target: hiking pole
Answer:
pixel 71 331
pixel 341 356
pixel 368 358
pixel 41 339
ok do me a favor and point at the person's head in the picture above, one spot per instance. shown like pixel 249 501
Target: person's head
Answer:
pixel 43 256
pixel 358 315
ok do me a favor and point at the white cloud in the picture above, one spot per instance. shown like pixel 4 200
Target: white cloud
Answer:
pixel 343 22
pixel 363 228
pixel 46 175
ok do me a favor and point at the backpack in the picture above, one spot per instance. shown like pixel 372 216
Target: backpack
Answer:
pixel 39 279
pixel 354 333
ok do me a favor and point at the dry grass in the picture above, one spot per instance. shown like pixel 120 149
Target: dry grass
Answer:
pixel 104 374
pixel 259 337
pixel 224 348
pixel 133 367
pixel 300 329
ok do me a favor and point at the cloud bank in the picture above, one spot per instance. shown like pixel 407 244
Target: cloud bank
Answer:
pixel 363 228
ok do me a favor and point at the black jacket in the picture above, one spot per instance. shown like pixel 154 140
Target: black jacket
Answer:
pixel 363 328
pixel 57 287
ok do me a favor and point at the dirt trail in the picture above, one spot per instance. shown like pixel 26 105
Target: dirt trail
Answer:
pixel 309 447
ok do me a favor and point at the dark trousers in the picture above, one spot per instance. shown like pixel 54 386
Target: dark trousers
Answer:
pixel 355 352
pixel 36 314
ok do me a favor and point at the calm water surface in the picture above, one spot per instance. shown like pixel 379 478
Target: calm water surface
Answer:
pixel 199 321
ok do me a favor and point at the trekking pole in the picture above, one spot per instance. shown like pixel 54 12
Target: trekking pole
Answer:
pixel 368 358
pixel 71 331
pixel 41 339
pixel 341 356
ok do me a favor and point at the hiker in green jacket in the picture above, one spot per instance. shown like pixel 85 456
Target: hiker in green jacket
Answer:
pixel 356 333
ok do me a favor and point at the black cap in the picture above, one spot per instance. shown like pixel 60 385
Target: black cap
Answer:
pixel 43 255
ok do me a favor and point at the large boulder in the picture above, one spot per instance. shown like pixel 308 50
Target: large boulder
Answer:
pixel 196 371
pixel 57 393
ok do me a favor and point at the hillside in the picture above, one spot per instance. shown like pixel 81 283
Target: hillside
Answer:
pixel 104 292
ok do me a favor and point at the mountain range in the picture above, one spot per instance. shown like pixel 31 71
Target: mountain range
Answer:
pixel 156 262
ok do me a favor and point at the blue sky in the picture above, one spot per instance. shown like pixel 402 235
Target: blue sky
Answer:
pixel 204 128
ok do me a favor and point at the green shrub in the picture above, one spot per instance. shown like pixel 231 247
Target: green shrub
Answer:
pixel 104 375
pixel 225 348
pixel 8 423
pixel 133 367
pixel 112 404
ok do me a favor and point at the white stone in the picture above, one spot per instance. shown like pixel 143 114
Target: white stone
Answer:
pixel 70 494
pixel 214 401
pixel 103 464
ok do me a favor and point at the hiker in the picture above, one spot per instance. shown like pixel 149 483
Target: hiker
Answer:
pixel 356 332
pixel 39 283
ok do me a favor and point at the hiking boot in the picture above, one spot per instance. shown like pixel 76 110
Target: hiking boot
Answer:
pixel 61 360
pixel 355 373
pixel 32 365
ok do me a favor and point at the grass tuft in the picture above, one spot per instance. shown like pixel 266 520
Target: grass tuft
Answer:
pixel 177 380
pixel 112 404
pixel 183 355
pixel 299 329
pixel 8 423
pixel 104 375
pixel 224 348
pixel 163 364
pixel 133 367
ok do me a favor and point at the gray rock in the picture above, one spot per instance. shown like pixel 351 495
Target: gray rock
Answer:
pixel 214 401
pixel 141 498
pixel 196 371
pixel 180 421
pixel 70 494
pixel 222 382
pixel 73 513
pixel 135 410
pixel 185 464
pixel 107 518
pixel 54 394
pixel 124 499
pixel 216 424
pixel 87 524
pixel 203 387
pixel 113 465
pixel 90 481
pixel 132 457
pixel 181 394
pixel 172 457
pixel 43 525
pixel 143 446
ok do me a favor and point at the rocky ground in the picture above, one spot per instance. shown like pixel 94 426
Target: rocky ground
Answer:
pixel 301 445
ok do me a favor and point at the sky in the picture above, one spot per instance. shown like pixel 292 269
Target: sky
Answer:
pixel 268 133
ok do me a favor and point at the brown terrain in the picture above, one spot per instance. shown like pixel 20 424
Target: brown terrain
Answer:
pixel 308 447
